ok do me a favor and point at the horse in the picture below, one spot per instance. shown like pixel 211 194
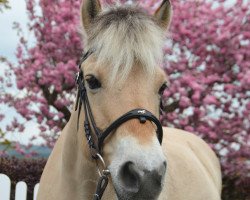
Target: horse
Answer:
pixel 121 151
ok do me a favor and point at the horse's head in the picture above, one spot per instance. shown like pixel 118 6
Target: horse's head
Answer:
pixel 122 74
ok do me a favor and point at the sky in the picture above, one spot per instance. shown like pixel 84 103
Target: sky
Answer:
pixel 8 44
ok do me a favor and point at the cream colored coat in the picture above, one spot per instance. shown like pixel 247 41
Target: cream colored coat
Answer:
pixel 193 170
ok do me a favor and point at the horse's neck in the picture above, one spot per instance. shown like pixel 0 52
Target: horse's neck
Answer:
pixel 77 167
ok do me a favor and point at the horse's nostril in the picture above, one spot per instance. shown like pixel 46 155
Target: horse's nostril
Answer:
pixel 163 168
pixel 165 164
pixel 130 177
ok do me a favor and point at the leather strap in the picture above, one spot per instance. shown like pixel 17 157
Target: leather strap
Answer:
pixel 141 114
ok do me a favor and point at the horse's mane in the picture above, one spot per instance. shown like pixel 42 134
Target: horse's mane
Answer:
pixel 124 36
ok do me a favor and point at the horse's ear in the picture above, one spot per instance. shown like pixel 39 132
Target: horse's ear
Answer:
pixel 164 13
pixel 89 10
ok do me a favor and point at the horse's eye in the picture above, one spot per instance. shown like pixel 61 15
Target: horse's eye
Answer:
pixel 93 82
pixel 162 88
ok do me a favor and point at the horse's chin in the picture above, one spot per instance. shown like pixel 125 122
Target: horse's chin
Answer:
pixel 138 196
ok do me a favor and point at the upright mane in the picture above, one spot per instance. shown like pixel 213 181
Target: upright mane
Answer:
pixel 124 36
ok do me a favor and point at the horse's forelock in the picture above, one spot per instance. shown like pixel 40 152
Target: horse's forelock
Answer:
pixel 124 36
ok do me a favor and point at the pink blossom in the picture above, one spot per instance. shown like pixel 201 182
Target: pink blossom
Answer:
pixel 209 99
pixel 184 102
pixel 1 117
pixel 196 97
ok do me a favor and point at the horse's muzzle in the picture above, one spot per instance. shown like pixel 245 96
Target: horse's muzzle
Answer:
pixel 137 183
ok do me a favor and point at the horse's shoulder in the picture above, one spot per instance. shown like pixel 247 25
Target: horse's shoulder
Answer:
pixel 186 138
pixel 198 147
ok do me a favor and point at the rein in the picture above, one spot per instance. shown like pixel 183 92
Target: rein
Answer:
pixel 96 146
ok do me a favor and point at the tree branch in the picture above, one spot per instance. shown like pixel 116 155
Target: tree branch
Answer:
pixel 65 111
pixel 51 98
pixel 171 107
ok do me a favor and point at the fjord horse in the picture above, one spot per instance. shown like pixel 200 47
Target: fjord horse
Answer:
pixel 119 74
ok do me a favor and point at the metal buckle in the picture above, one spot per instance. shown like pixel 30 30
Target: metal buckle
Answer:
pixel 104 171
pixel 103 179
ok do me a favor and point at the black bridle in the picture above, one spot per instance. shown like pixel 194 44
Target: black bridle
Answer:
pixel 96 145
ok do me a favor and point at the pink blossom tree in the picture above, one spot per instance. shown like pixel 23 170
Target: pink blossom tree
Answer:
pixel 207 60
pixel 45 72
